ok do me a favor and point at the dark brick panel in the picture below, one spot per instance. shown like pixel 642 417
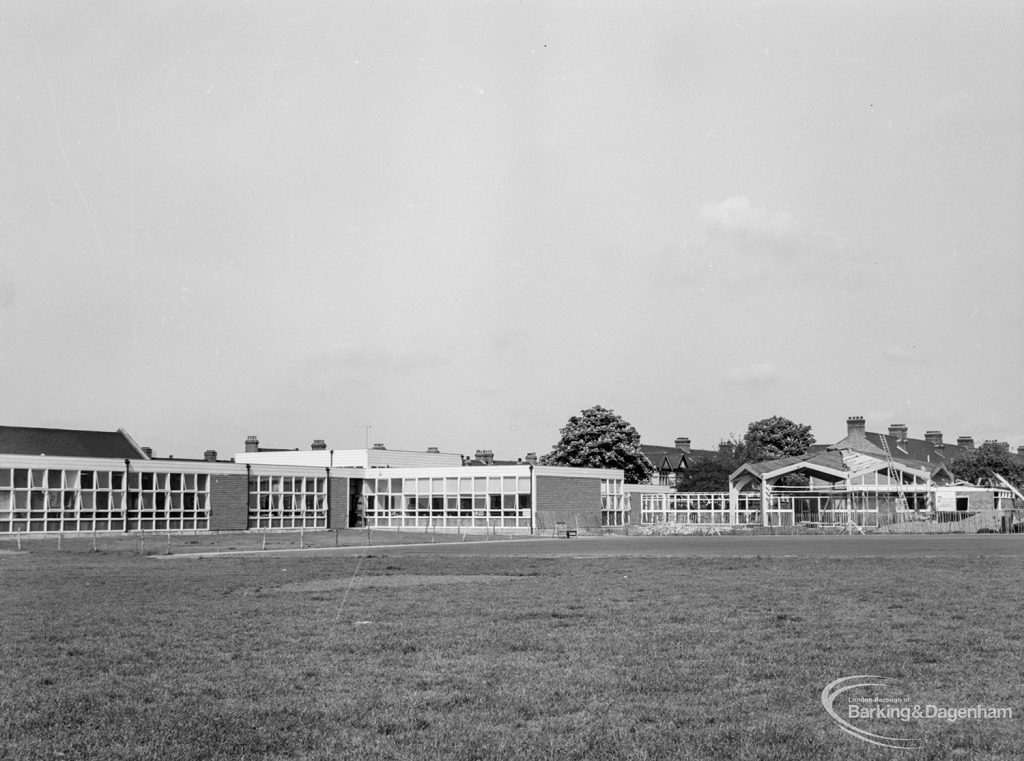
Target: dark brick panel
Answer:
pixel 229 502
pixel 337 510
pixel 568 499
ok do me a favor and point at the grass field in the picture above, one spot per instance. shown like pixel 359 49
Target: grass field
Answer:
pixel 484 655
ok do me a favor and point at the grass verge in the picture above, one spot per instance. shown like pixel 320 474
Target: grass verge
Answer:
pixel 113 656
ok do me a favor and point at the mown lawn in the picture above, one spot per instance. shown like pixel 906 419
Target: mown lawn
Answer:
pixel 119 656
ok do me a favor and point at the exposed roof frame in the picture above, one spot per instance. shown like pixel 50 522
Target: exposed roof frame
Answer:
pixel 808 465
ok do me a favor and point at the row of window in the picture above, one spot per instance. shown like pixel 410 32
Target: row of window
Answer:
pixel 448 486
pixel 614 503
pixel 288 484
pixel 448 522
pixel 52 499
pixel 287 502
pixel 91 480
pixel 55 524
pixel 494 505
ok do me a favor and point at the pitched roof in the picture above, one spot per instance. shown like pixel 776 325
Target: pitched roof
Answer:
pixel 665 458
pixel 918 453
pixel 61 442
pixel 858 441
pixel 918 449
pixel 832 461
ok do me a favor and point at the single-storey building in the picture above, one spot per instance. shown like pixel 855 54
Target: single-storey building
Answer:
pixel 57 480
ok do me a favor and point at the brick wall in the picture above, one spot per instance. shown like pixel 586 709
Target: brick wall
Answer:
pixel 229 502
pixel 568 499
pixel 980 500
pixel 337 509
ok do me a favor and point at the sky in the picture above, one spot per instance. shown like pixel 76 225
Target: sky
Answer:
pixel 457 224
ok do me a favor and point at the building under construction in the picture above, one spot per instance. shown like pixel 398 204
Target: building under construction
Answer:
pixel 855 482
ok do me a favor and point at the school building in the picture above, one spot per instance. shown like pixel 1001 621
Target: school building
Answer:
pixel 57 480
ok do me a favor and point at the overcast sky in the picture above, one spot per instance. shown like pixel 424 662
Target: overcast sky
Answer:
pixel 461 222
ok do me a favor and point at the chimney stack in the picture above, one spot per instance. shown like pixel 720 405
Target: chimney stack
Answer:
pixel 934 438
pixel 683 443
pixel 898 431
pixel 855 425
pixel 379 446
pixel 148 451
pixel 531 457
pixel 318 445
pixel 486 456
pixel 725 447
pixel 1020 450
pixel 252 444
pixel 210 455
pixel 433 450
pixel 965 442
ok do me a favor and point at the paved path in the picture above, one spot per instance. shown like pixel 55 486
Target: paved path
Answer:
pixel 952 545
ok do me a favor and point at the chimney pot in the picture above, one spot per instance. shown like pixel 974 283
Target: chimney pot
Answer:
pixel 210 455
pixel 1004 445
pixel 898 431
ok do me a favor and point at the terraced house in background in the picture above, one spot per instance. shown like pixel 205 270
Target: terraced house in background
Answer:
pixel 55 480
pixel 865 480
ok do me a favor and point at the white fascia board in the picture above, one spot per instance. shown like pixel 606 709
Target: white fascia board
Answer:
pixel 451 472
pixel 114 464
pixel 186 466
pixel 400 458
pixel 348 458
pixel 306 458
pixel 300 470
pixel 744 468
pixel 133 442
pixel 968 490
pixel 569 472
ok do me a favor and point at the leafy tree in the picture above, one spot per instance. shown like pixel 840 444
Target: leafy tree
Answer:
pixel 711 473
pixel 978 465
pixel 768 439
pixel 598 438
pixel 776 437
